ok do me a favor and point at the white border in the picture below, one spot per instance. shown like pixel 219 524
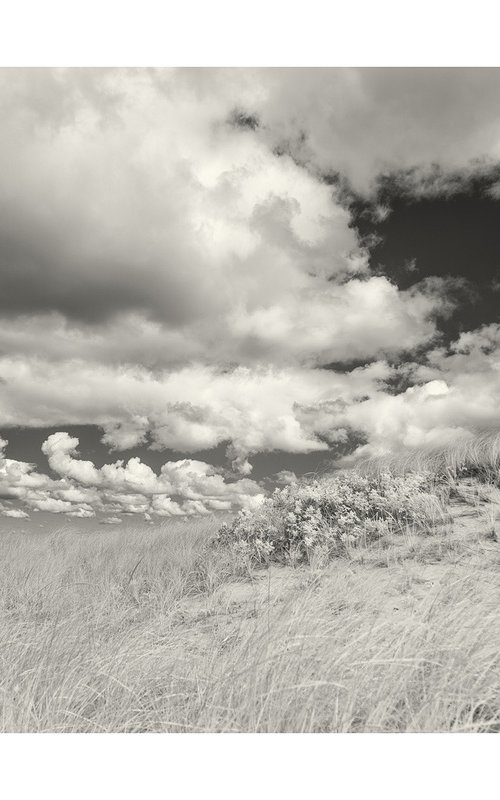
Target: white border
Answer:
pixel 254 33
pixel 262 33
pixel 241 767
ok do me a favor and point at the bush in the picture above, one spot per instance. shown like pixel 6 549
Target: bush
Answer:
pixel 322 518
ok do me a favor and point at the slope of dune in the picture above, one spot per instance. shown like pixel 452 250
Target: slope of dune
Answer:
pixel 165 631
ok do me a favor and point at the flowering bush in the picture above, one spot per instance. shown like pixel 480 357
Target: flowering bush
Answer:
pixel 323 517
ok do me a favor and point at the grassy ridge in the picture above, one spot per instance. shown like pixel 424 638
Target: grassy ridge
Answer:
pixel 471 455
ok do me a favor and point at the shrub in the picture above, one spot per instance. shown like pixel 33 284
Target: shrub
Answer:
pixel 322 518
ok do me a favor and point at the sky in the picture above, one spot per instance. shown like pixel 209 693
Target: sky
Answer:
pixel 213 281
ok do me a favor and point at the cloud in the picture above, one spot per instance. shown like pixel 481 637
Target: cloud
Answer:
pixel 258 409
pixel 359 318
pixel 455 392
pixel 60 449
pixel 362 123
pixel 186 487
pixel 179 267
pixel 138 225
pixel 14 513
pixel 135 195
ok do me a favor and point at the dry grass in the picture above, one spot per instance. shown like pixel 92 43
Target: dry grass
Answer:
pixel 476 455
pixel 148 632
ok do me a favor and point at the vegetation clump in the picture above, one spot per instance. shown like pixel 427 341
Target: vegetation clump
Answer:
pixel 322 518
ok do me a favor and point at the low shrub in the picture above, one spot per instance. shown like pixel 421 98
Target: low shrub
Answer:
pixel 320 519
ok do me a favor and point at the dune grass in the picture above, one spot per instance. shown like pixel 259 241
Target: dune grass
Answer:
pixel 155 631
pixel 331 661
pixel 475 455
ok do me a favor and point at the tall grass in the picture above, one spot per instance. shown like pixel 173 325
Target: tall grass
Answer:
pixel 131 633
pixel 76 611
pixel 472 455
pixel 331 661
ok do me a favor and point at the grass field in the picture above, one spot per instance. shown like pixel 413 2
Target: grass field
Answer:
pixel 158 630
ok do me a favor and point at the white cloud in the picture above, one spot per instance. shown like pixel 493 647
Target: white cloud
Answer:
pixel 138 196
pixel 301 410
pixel 456 393
pixel 255 409
pixel 182 488
pixel 14 513
pixel 317 324
pixel 139 226
pixel 60 449
pixel 168 274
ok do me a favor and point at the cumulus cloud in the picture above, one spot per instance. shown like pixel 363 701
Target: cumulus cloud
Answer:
pixel 13 513
pixel 427 124
pixel 138 224
pixel 134 194
pixel 455 392
pixel 179 267
pixel 186 487
pixel 359 318
pixel 251 409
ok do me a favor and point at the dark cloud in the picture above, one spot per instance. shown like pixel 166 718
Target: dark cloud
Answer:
pixel 243 119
